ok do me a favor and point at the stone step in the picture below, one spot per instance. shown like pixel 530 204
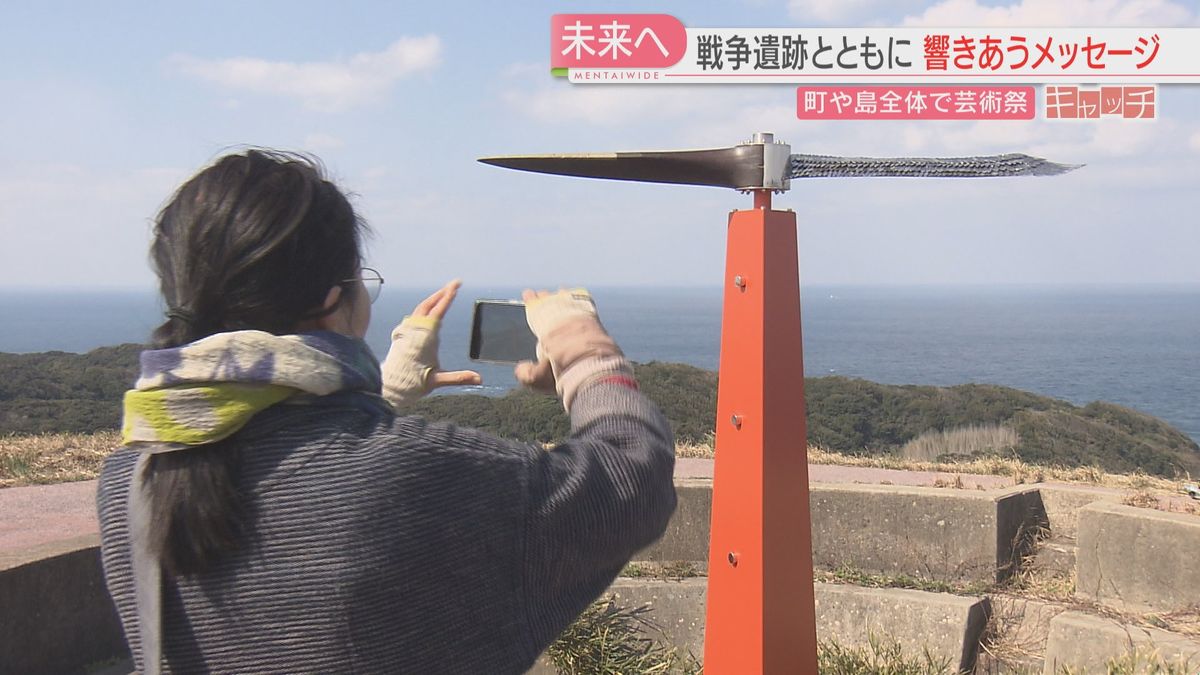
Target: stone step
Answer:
pixel 1016 639
pixel 1085 643
pixel 1054 556
pixel 949 626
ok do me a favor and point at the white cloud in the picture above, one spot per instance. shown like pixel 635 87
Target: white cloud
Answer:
pixel 828 10
pixel 526 69
pixel 1194 141
pixel 320 85
pixel 847 11
pixel 1055 13
pixel 318 142
pixel 611 105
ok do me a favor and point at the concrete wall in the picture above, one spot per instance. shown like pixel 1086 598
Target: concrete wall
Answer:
pixel 686 537
pixel 1138 560
pixel 1085 642
pixel 933 533
pixel 1063 503
pixel 950 626
pixel 56 615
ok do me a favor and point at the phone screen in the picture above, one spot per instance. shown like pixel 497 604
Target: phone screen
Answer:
pixel 499 332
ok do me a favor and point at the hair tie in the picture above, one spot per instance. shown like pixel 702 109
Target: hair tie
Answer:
pixel 181 315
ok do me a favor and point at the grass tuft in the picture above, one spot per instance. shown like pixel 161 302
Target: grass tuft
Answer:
pixel 968 441
pixel 1141 661
pixel 856 577
pixel 610 640
pixel 878 658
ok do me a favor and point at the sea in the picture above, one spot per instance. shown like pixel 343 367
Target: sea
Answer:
pixel 1138 346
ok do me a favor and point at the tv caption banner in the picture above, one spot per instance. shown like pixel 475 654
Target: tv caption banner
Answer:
pixel 657 48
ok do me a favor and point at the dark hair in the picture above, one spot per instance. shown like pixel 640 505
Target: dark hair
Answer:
pixel 253 242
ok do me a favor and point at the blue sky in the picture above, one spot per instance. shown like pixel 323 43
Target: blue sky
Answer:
pixel 108 107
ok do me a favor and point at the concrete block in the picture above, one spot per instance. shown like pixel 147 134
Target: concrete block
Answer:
pixel 949 626
pixel 1018 631
pixel 1063 503
pixel 930 533
pixel 686 537
pixel 677 607
pixel 1085 643
pixel 1055 557
pixel 1138 560
pixel 57 615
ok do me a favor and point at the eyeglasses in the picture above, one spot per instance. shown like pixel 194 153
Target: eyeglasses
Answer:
pixel 371 279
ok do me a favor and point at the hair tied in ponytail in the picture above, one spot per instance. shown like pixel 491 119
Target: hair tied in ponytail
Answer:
pixel 181 315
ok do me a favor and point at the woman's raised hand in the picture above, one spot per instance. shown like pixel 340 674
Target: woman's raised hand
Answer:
pixel 411 368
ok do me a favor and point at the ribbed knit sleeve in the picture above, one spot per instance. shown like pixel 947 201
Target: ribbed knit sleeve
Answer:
pixel 594 501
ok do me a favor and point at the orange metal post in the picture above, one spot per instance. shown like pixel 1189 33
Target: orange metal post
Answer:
pixel 760 615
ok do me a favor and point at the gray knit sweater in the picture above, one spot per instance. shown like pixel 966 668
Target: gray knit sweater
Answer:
pixel 389 544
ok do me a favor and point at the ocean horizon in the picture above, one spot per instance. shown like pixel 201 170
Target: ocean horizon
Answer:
pixel 1137 346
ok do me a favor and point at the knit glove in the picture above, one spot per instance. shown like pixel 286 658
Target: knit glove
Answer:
pixel 573 348
pixel 411 368
pixel 411 359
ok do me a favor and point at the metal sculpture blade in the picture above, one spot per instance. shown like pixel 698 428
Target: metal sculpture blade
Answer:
pixel 1015 164
pixel 763 164
pixel 721 167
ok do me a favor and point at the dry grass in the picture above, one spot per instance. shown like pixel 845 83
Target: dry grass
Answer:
pixel 963 441
pixel 53 458
pixel 697 451
pixel 1020 471
pixel 1184 622
pixel 1147 499
pixel 957 483
pixel 1015 637
pixel 847 574
pixel 702 450
pixel 676 570
pixel 1045 585
pixel 972 438
pixel 1142 661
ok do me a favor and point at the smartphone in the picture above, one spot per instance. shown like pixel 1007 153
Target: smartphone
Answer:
pixel 500 333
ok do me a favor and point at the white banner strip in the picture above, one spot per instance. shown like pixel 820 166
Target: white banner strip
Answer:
pixel 923 55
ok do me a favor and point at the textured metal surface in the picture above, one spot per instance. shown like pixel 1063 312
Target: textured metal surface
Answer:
pixel 991 166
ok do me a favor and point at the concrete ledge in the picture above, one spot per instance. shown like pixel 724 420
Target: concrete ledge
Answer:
pixel 1063 503
pixel 932 533
pixel 1138 560
pixel 949 626
pixel 677 607
pixel 1085 642
pixel 686 537
pixel 57 616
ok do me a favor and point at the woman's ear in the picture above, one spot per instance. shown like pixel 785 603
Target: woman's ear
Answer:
pixel 331 299
pixel 330 319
